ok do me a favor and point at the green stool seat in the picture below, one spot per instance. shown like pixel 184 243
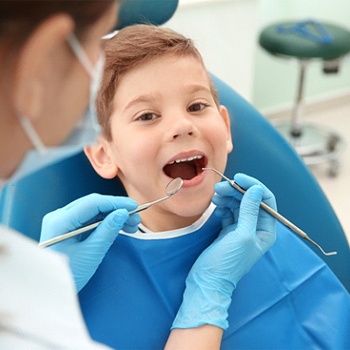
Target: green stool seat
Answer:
pixel 305 41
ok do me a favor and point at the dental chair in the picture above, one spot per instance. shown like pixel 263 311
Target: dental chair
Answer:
pixel 259 151
pixel 140 11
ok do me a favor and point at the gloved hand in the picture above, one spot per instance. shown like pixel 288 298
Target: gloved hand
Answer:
pixel 85 255
pixel 248 232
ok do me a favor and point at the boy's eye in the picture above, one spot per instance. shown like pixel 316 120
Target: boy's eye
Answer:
pixel 196 107
pixel 147 117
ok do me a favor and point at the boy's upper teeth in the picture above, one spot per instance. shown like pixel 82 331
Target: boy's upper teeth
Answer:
pixel 186 159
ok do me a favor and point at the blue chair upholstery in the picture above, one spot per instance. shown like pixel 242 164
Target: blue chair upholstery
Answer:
pixel 149 11
pixel 29 199
pixel 259 151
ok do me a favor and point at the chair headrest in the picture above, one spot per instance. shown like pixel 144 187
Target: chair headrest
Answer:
pixel 141 11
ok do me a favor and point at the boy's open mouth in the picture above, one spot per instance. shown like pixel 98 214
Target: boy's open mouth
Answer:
pixel 187 168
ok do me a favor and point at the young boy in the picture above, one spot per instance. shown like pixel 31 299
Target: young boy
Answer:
pixel 161 118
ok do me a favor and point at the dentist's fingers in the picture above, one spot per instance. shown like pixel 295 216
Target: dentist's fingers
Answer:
pixel 246 181
pixel 226 195
pixel 83 211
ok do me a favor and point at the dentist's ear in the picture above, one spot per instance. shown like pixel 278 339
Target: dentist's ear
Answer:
pixel 36 61
pixel 226 118
pixel 101 160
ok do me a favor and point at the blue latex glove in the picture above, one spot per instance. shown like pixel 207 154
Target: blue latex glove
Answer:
pixel 85 255
pixel 248 232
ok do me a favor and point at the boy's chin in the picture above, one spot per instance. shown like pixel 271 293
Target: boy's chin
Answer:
pixel 174 216
pixel 193 209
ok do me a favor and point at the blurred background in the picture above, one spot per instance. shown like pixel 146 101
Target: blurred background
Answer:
pixel 270 83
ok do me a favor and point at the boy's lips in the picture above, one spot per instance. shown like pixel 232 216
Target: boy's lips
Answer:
pixel 186 165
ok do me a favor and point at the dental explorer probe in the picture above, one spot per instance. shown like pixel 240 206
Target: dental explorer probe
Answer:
pixel 274 213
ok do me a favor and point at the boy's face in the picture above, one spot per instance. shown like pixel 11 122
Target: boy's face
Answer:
pixel 165 124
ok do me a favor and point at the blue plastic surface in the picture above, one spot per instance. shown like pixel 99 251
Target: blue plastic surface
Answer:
pixel 309 29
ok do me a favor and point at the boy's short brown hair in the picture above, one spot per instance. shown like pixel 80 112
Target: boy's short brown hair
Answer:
pixel 131 47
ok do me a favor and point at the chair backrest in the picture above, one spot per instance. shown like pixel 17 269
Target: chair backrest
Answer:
pixel 259 151
pixel 145 11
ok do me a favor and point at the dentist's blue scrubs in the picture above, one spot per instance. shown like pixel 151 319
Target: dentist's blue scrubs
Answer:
pixel 289 300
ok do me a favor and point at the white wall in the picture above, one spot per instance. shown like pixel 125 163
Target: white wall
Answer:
pixel 225 34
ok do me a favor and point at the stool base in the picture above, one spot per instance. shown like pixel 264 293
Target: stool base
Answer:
pixel 315 145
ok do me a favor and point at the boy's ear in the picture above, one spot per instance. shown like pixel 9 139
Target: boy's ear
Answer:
pixel 226 118
pixel 101 160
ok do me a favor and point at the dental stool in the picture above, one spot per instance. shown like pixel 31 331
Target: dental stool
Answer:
pixel 309 40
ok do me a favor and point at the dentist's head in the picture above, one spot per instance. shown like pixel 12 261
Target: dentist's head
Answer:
pixel 50 63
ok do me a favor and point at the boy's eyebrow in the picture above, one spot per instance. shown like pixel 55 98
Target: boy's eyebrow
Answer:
pixel 198 88
pixel 139 99
pixel 150 97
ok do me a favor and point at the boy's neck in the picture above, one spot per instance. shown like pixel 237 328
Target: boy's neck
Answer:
pixel 169 221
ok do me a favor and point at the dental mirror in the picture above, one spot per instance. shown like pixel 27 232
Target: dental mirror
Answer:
pixel 274 213
pixel 171 188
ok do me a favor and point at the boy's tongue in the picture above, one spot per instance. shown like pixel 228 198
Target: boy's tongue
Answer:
pixel 185 170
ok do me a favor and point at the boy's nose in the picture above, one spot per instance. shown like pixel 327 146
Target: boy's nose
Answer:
pixel 182 126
